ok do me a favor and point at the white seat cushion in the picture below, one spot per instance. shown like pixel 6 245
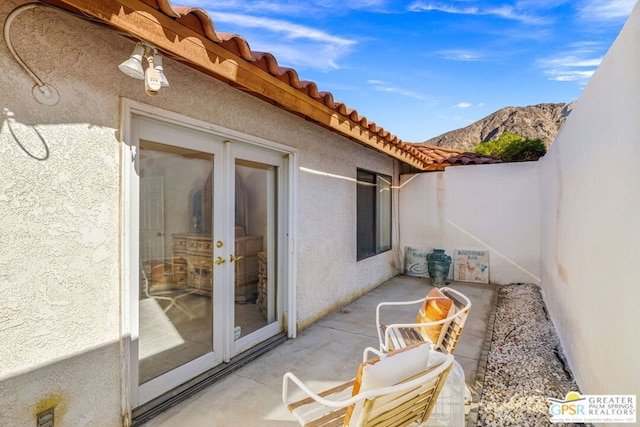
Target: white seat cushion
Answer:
pixel 388 370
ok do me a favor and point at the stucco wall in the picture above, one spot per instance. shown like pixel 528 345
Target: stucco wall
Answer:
pixel 591 224
pixel 60 209
pixel 482 207
pixel 327 271
pixel 60 236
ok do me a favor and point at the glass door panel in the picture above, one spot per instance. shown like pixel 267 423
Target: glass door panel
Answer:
pixel 175 309
pixel 258 215
pixel 255 194
pixel 177 312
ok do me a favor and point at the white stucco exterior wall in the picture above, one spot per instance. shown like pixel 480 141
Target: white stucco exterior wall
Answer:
pixel 60 269
pixel 480 207
pixel 590 245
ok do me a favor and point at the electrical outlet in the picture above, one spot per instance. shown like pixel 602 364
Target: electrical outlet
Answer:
pixel 45 418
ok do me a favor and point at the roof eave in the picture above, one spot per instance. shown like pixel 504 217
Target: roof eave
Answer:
pixel 154 26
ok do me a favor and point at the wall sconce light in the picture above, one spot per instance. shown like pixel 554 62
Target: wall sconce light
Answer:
pixel 157 60
pixel 153 75
pixel 132 67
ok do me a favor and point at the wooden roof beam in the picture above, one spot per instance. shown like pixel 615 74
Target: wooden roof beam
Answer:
pixel 148 24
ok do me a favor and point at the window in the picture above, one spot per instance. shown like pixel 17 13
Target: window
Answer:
pixel 374 214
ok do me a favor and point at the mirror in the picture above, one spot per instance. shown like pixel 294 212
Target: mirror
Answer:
pixel 200 208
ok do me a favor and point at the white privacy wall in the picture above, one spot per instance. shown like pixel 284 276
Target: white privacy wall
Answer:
pixel 590 248
pixel 482 207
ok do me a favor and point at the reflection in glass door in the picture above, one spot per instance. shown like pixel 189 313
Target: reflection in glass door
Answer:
pixel 175 310
pixel 257 210
pixel 252 217
pixel 176 316
pixel 206 254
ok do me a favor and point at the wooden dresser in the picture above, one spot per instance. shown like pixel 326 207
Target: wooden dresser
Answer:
pixel 197 249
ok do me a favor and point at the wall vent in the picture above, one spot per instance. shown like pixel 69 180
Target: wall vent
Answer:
pixel 45 418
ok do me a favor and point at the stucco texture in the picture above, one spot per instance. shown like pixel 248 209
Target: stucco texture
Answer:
pixel 494 208
pixel 59 258
pixel 590 210
pixel 327 233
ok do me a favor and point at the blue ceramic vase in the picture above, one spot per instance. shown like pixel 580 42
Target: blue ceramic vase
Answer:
pixel 438 264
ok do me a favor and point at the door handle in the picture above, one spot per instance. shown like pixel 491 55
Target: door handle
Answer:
pixel 235 258
pixel 220 260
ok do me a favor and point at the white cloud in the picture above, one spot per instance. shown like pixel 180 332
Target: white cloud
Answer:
pixel 289 8
pixel 463 105
pixel 461 55
pixel 292 44
pixel 351 4
pixel 504 11
pixel 576 64
pixel 385 87
pixel 560 75
pixel 570 68
pixel 606 10
pixel 289 29
pixel 427 7
pixel 569 61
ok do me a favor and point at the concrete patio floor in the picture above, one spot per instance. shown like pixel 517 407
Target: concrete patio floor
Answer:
pixel 326 354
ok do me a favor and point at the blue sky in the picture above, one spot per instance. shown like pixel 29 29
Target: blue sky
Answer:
pixel 421 68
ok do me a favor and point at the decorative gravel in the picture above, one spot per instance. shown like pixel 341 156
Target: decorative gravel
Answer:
pixel 525 363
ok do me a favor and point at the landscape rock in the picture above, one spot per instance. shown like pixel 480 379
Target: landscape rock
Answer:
pixel 525 363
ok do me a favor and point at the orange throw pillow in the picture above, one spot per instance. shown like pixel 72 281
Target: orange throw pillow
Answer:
pixel 436 307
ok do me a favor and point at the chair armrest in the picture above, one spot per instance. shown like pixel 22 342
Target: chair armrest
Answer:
pixel 290 377
pixel 390 304
pixel 365 353
pixel 379 323
pixel 399 303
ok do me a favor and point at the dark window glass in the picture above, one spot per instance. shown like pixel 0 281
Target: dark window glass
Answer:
pixel 374 214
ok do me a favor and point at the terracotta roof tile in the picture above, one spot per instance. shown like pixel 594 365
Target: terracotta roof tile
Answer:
pixel 233 43
pixel 199 21
pixel 453 156
pixel 164 6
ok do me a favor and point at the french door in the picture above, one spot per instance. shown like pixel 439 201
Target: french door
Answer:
pixel 206 253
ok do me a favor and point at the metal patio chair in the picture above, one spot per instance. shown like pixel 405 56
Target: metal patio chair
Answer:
pixel 449 328
pixel 158 283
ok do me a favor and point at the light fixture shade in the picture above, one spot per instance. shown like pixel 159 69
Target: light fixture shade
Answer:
pixel 132 67
pixel 157 62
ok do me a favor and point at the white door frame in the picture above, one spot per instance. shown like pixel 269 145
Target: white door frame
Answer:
pixel 130 195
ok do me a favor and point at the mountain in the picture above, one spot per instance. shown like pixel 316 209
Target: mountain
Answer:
pixel 540 121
